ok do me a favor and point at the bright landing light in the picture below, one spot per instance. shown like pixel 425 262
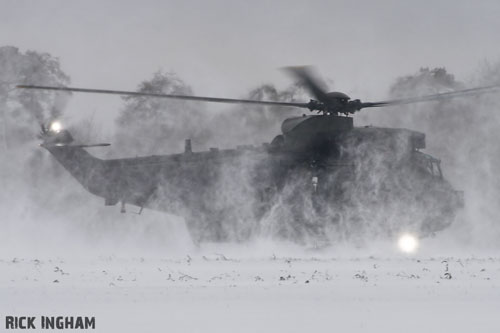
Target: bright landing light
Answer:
pixel 56 127
pixel 408 243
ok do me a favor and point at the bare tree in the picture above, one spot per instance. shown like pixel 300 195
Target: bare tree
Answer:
pixel 153 125
pixel 23 110
pixel 149 125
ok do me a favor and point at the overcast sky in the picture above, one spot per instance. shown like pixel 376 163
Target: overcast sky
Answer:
pixel 222 48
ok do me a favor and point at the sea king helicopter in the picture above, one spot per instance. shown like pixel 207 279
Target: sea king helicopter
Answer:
pixel 321 177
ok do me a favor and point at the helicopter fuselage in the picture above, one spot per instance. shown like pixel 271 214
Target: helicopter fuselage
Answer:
pixel 321 160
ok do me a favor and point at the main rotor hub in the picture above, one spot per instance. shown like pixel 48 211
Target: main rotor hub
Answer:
pixel 334 102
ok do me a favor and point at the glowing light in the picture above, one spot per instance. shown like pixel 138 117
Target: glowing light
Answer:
pixel 56 127
pixel 408 243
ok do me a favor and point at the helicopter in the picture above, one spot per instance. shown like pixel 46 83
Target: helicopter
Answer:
pixel 320 176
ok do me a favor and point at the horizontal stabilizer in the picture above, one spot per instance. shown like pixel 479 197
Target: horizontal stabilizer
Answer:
pixel 75 145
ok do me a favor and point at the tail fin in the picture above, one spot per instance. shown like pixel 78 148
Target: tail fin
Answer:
pixel 87 169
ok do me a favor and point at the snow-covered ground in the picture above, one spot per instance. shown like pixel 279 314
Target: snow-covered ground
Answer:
pixel 258 288
pixel 141 273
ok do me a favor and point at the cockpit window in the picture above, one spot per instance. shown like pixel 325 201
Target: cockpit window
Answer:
pixel 431 164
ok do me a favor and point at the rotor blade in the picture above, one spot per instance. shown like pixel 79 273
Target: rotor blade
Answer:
pixel 436 97
pixel 305 75
pixel 183 97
